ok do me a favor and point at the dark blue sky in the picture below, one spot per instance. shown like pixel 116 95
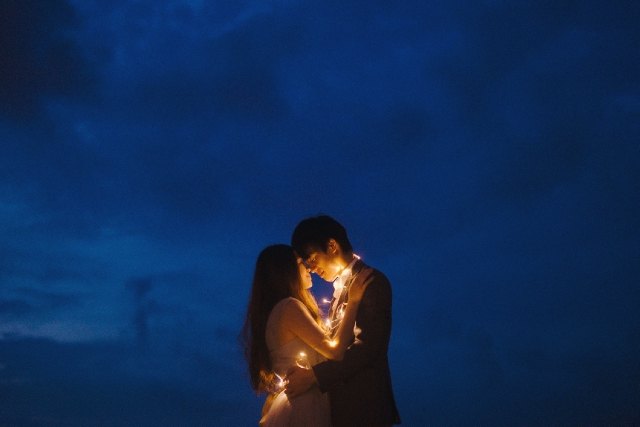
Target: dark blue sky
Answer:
pixel 485 155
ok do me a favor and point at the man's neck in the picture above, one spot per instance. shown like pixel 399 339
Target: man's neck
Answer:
pixel 346 259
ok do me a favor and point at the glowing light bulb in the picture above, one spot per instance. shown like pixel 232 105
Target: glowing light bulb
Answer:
pixel 279 383
pixel 302 360
pixel 333 343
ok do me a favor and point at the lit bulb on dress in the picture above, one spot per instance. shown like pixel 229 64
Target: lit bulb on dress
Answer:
pixel 279 383
pixel 301 361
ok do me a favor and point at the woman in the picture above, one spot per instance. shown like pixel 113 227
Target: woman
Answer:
pixel 283 328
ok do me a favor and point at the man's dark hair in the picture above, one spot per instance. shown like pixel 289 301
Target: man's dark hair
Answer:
pixel 313 234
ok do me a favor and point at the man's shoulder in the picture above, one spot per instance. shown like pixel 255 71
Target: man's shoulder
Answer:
pixel 378 293
pixel 378 276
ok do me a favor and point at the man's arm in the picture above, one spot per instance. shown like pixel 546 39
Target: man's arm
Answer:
pixel 298 380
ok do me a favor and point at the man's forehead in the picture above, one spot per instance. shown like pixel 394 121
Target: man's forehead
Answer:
pixel 311 254
pixel 310 251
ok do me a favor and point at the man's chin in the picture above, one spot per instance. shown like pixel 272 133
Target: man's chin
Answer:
pixel 325 277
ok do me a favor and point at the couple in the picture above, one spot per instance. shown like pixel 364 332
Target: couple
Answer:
pixel 319 374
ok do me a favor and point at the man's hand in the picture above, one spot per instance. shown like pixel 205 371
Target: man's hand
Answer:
pixel 298 380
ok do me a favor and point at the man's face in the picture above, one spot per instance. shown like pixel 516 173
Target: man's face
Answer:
pixel 324 264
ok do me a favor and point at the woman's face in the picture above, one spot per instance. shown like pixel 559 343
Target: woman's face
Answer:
pixel 305 275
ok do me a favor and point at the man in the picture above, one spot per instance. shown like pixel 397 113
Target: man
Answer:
pixel 359 386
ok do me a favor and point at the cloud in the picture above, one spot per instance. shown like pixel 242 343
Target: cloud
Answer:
pixel 14 308
pixel 205 63
pixel 38 58
pixel 94 383
pixel 37 306
pixel 143 307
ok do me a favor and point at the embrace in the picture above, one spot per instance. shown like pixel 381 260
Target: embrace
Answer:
pixel 331 373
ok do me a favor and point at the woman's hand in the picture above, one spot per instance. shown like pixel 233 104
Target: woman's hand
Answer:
pixel 360 283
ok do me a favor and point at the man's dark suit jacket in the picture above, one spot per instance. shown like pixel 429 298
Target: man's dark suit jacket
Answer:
pixel 359 386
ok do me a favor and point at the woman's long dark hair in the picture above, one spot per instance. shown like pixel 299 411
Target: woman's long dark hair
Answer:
pixel 276 277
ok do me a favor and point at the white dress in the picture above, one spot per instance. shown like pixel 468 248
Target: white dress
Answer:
pixel 310 409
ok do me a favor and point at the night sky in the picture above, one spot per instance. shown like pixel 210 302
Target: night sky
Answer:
pixel 485 155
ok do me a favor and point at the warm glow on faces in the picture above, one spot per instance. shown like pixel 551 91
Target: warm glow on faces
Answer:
pixel 305 276
pixel 325 265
